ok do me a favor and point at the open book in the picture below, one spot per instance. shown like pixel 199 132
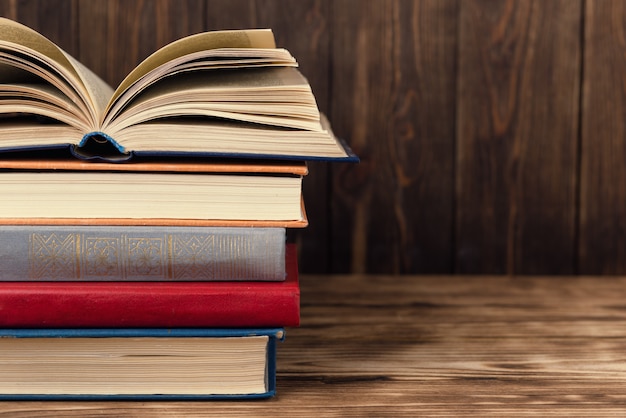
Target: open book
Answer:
pixel 218 93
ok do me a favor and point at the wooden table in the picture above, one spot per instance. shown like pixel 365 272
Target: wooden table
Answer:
pixel 430 346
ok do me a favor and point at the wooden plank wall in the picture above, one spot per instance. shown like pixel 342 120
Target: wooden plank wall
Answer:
pixel 491 132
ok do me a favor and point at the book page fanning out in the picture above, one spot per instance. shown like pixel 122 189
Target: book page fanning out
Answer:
pixel 28 51
pixel 220 93
pixel 254 38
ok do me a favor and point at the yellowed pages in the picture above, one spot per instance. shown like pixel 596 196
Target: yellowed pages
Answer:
pixel 212 59
pixel 93 92
pixel 273 96
pixel 134 366
pixel 254 38
pixel 42 99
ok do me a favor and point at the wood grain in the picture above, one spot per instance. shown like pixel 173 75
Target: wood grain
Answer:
pixel 303 27
pixel 409 346
pixel 55 18
pixel 603 172
pixel 116 35
pixel 393 100
pixel 519 72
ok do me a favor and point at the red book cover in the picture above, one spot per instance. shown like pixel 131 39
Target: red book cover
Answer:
pixel 153 304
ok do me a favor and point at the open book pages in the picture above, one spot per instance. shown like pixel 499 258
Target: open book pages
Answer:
pixel 230 93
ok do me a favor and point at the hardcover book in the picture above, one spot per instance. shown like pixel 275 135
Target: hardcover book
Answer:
pixel 168 192
pixel 141 253
pixel 242 304
pixel 137 364
pixel 213 93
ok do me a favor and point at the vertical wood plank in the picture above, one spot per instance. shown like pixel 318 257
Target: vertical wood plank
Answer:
pixel 8 9
pixel 519 72
pixel 602 246
pixel 301 27
pixel 393 100
pixel 231 14
pixel 55 19
pixel 115 35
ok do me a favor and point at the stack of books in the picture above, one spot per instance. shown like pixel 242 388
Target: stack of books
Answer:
pixel 143 249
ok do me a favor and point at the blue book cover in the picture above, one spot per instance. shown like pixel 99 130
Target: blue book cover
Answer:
pixel 138 364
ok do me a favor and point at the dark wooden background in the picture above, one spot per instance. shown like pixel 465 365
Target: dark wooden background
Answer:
pixel 492 133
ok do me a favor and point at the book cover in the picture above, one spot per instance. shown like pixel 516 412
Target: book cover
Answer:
pixel 249 304
pixel 141 253
pixel 138 364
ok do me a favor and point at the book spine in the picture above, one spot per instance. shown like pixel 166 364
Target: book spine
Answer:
pixel 154 304
pixel 141 253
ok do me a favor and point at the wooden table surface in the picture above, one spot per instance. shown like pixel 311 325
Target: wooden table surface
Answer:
pixel 384 346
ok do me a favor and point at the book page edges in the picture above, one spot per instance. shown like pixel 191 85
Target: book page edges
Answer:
pixel 274 335
pixel 299 223
pixel 303 222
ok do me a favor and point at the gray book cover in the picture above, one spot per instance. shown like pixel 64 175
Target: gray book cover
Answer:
pixel 141 253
